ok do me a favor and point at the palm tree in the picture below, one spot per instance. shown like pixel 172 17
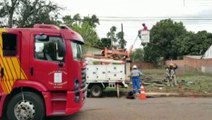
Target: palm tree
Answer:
pixel 112 36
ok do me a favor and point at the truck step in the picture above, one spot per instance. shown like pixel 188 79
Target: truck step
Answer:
pixel 58 113
pixel 60 96
pixel 59 99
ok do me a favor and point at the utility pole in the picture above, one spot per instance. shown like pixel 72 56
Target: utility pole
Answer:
pixel 183 3
pixel 122 35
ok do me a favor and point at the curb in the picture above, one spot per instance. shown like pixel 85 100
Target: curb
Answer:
pixel 158 94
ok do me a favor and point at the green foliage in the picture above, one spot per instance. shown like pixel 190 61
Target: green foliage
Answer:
pixel 3 11
pixel 92 21
pixel 112 35
pixel 170 40
pixel 25 13
pixel 121 41
pixel 37 11
pixel 117 38
pixel 163 43
pixel 194 44
pixel 163 35
pixel 152 54
pixel 137 55
pixel 105 43
pixel 85 27
pixel 189 81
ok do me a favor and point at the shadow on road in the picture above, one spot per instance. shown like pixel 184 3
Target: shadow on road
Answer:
pixel 70 117
pixel 111 94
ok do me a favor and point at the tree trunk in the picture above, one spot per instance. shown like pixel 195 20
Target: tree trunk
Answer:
pixel 10 21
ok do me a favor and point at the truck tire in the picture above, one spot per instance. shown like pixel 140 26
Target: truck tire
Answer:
pixel 31 108
pixel 96 90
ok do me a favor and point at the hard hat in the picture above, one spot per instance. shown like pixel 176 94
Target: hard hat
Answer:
pixel 134 66
pixel 171 64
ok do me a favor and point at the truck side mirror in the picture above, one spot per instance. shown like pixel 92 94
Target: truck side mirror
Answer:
pixel 42 37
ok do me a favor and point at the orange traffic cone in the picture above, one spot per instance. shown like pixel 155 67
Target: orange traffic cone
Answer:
pixel 142 94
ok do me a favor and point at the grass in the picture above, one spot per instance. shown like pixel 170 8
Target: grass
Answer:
pixel 189 81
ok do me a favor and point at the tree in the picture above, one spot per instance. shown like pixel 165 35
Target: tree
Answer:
pixel 184 44
pixel 2 9
pixel 137 55
pixel 25 13
pixel 8 9
pixel 77 19
pixel 112 35
pixel 152 54
pixel 194 44
pixel 105 43
pixel 162 40
pixel 121 41
pixel 92 21
pixel 85 26
pixel 170 40
pixel 37 11
pixel 116 38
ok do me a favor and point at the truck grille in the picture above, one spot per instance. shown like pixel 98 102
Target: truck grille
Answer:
pixel 83 86
pixel 83 78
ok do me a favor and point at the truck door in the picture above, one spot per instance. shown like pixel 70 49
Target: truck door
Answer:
pixel 10 69
pixel 47 64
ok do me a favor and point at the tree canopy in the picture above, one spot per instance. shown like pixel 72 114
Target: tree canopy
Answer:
pixel 170 40
pixel 117 38
pixel 137 55
pixel 25 13
pixel 85 26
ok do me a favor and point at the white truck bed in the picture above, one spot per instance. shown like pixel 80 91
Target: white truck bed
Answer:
pixel 100 76
pixel 105 73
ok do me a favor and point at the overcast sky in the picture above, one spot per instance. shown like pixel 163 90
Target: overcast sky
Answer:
pixel 195 14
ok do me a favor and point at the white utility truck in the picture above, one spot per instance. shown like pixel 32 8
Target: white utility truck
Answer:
pixel 103 73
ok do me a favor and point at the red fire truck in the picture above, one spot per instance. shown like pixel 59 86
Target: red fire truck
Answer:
pixel 41 72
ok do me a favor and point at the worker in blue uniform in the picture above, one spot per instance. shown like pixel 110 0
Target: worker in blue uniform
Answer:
pixel 136 79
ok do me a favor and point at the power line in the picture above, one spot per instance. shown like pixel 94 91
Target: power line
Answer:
pixel 129 18
pixel 112 18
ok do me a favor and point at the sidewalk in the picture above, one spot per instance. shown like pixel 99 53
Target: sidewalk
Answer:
pixel 162 94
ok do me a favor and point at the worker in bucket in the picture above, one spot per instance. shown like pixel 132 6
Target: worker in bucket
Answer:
pixel 136 79
pixel 143 29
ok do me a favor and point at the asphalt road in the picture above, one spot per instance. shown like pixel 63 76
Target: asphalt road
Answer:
pixel 164 108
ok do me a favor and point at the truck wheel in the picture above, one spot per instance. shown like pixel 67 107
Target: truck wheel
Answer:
pixel 96 91
pixel 31 108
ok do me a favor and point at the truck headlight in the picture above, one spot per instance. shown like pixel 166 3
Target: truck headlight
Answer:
pixel 76 84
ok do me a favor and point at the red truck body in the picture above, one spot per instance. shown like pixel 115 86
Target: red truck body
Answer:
pixel 46 61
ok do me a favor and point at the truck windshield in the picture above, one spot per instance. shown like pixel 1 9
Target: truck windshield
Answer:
pixel 76 50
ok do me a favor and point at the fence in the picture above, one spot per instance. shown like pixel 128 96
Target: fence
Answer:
pixel 193 62
pixel 145 65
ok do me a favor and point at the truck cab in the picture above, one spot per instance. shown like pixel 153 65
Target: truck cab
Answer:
pixel 41 72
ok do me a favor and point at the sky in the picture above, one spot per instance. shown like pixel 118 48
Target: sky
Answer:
pixel 195 14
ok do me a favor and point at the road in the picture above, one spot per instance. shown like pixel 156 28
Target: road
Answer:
pixel 164 108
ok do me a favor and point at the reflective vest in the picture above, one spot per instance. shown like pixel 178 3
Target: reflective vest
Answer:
pixel 136 73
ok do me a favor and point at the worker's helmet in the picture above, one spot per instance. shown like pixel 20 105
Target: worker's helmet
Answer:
pixel 135 67
pixel 171 64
